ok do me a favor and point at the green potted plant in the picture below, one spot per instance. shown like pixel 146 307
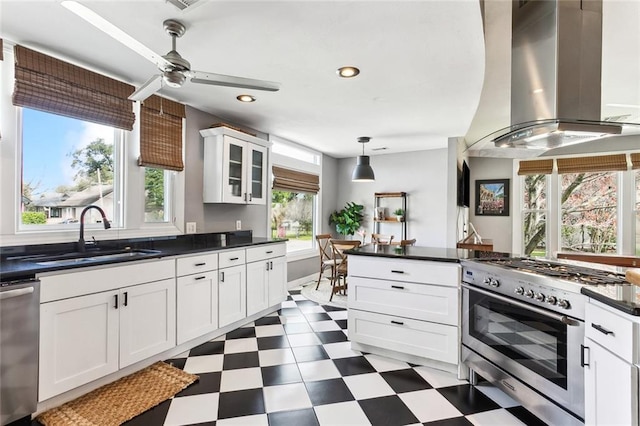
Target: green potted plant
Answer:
pixel 348 219
pixel 399 213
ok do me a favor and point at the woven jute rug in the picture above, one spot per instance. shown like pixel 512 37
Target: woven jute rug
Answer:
pixel 122 400
pixel 322 294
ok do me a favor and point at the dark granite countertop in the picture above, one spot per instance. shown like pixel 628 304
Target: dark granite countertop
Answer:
pixel 437 254
pixel 624 297
pixel 22 262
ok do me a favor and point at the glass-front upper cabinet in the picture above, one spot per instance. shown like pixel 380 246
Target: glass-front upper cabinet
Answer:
pixel 235 167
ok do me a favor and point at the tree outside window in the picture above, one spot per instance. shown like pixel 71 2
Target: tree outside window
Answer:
pixel 292 218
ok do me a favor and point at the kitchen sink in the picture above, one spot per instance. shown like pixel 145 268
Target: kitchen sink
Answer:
pixel 76 258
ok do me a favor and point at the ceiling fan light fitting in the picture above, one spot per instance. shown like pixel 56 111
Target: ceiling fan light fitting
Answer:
pixel 174 78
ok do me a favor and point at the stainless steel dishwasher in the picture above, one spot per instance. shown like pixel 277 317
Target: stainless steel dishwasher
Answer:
pixel 19 343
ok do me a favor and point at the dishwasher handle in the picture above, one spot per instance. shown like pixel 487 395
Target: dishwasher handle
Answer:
pixel 10 294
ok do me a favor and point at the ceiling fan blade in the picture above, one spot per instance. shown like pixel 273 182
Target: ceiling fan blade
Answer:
pixel 149 87
pixel 233 81
pixel 102 24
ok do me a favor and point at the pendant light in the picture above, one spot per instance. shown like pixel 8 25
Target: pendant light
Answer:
pixel 363 171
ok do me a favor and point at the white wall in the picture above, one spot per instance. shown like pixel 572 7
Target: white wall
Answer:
pixel 423 175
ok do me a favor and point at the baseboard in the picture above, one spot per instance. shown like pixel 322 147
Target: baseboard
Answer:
pixel 303 280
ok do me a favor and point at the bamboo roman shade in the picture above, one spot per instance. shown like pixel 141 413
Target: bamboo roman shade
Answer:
pixel 295 181
pixel 603 163
pixel 635 160
pixel 58 87
pixel 161 133
pixel 536 167
pixel 1 51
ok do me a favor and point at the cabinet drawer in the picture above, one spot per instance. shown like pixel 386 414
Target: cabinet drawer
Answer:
pixel 194 264
pixel 420 338
pixel 612 331
pixel 417 271
pixel 417 301
pixel 265 252
pixel 231 258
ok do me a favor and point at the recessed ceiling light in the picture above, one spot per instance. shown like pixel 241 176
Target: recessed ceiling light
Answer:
pixel 348 72
pixel 246 98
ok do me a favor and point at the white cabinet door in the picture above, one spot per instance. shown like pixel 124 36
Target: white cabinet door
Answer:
pixel 232 295
pixel 257 286
pixel 234 170
pixel 147 320
pixel 256 174
pixel 197 302
pixel 611 388
pixel 277 280
pixel 78 342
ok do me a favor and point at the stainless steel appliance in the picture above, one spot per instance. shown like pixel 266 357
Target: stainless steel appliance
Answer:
pixel 523 330
pixel 19 342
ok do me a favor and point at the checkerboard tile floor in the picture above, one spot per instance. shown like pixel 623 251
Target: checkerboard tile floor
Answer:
pixel 296 367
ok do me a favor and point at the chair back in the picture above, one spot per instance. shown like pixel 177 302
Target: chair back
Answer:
pixel 407 242
pixel 324 246
pixel 338 247
pixel 381 239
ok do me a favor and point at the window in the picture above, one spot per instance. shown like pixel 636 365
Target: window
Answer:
pixel 67 164
pixel 156 195
pixel 535 215
pixel 292 218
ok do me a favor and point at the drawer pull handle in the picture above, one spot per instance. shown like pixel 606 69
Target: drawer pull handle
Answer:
pixel 397 322
pixel 200 278
pixel 399 287
pixel 116 304
pixel 397 272
pixel 234 258
pixel 200 264
pixel 126 298
pixel 270 251
pixel 222 276
pixel 601 329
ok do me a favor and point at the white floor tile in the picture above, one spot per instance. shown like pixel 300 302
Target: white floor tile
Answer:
pixel 187 410
pixel 439 378
pixel 382 363
pixel 364 386
pixel 343 413
pixel 340 350
pixel 298 327
pixel 276 357
pixel 499 417
pixel 234 346
pixel 318 370
pixel 298 297
pixel 289 304
pixel 498 396
pixel 338 315
pixel 429 405
pixel 304 339
pixel 269 330
pixel 292 319
pixel 242 378
pixel 204 364
pixel 255 420
pixel 324 326
pixel 286 397
pixel 312 309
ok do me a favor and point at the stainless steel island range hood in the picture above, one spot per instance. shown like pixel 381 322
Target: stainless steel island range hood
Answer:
pixel 556 67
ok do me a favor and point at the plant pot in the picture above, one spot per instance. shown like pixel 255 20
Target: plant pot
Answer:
pixel 399 218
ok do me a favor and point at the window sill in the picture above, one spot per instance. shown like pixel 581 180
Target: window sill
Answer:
pixel 301 255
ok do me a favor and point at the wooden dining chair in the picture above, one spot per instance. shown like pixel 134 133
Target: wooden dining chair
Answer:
pixel 403 243
pixel 326 256
pixel 381 239
pixel 339 281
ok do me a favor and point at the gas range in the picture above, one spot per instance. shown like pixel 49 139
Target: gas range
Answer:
pixel 550 285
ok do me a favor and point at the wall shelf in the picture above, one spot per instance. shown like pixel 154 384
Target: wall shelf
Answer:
pixel 386 200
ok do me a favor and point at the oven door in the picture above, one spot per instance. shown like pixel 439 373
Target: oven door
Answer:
pixel 541 348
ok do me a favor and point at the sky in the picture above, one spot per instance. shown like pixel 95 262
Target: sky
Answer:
pixel 48 139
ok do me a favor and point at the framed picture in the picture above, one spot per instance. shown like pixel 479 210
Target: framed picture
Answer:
pixel 492 197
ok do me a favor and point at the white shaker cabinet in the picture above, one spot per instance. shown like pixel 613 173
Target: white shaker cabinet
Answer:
pixel 235 167
pixel 232 287
pixel 266 277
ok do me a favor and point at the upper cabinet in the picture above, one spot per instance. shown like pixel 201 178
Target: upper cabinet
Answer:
pixel 235 167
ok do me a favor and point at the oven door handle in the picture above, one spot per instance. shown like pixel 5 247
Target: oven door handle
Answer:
pixel 561 318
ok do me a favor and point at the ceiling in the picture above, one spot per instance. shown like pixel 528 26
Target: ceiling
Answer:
pixel 422 62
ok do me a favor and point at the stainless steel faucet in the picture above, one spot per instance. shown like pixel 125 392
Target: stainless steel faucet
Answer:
pixel 105 222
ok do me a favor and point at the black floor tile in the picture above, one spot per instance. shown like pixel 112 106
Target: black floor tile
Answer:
pixel 242 333
pixel 241 360
pixel 240 403
pixel 353 365
pixel 306 417
pixel 310 353
pixel 525 416
pixel 203 424
pixel 208 348
pixel 331 336
pixel 407 380
pixel 207 383
pixel 295 291
pixel 24 421
pixel 467 399
pixel 280 374
pixel 272 342
pixel 177 362
pixel 289 298
pixel 288 312
pixel 342 324
pixel 387 411
pixel 154 416
pixel 454 421
pixel 267 321
pixel 328 392
pixel 306 303
pixel 313 316
pixel 330 308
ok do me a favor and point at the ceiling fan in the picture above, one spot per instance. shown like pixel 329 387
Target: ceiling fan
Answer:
pixel 174 69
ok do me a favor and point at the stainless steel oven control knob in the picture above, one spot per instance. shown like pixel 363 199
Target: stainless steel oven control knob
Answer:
pixel 564 304
pixel 494 283
pixel 529 293
pixel 519 291
pixel 552 300
pixel 540 297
